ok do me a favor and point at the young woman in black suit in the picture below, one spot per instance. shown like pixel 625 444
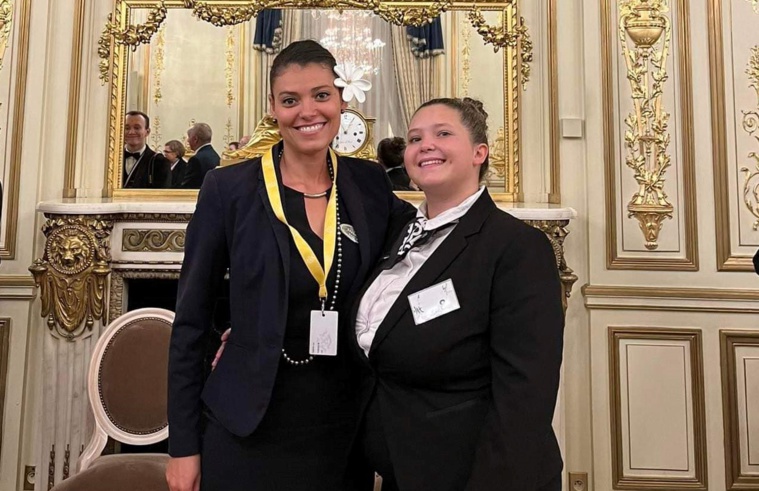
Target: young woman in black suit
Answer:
pixel 459 330
pixel 279 412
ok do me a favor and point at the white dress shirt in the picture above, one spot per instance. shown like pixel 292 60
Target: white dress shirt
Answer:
pixel 130 162
pixel 385 289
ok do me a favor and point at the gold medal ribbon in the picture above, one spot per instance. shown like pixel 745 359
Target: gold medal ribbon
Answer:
pixel 330 222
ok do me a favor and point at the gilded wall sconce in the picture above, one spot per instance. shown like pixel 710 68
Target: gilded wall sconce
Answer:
pixel 645 34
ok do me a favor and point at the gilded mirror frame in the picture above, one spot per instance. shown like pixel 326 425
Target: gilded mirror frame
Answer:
pixel 120 37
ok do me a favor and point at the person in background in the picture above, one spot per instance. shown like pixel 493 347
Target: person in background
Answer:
pixel 243 141
pixel 174 151
pixel 205 159
pixel 390 155
pixel 143 167
pixel 232 146
pixel 459 331
pixel 298 231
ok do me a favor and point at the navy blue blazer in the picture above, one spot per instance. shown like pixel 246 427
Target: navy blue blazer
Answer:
pixel 234 228
pixel 198 166
pixel 466 399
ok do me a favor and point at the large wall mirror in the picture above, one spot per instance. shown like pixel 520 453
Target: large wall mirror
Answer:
pixel 183 62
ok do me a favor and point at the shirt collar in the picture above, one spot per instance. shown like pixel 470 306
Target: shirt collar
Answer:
pixel 449 215
pixel 141 151
pixel 388 169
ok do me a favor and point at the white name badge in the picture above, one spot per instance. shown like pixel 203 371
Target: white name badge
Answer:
pixel 433 302
pixel 323 338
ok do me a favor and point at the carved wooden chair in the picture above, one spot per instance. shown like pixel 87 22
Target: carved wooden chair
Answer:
pixel 127 385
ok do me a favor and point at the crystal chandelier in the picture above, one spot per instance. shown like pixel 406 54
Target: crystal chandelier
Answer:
pixel 349 37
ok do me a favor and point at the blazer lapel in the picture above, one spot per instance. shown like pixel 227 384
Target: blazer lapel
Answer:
pixel 434 267
pixel 349 191
pixel 281 232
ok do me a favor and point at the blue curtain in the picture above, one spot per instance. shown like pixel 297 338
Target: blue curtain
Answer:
pixel 426 40
pixel 268 31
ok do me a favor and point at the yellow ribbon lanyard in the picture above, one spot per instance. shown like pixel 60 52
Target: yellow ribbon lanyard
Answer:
pixel 330 223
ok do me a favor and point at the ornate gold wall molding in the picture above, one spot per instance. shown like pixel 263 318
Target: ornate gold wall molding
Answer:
pixel 750 125
pixel 229 65
pixel 645 34
pixel 17 288
pixel 5 336
pixel 556 231
pixel 138 240
pixel 729 341
pixel 159 65
pixel 554 190
pixel 671 299
pixel 72 273
pixel 726 260
pixel 6 27
pixel 230 15
pixel 128 35
pixel 221 16
pixel 75 83
pixel 11 188
pixel 661 335
pixel 646 138
pixel 466 54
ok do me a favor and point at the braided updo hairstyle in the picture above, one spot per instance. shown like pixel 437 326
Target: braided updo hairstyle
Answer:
pixel 473 117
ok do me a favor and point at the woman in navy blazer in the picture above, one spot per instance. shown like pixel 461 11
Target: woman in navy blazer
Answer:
pixel 272 415
pixel 459 330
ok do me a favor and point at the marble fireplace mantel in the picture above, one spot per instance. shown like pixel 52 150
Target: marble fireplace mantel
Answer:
pixel 94 238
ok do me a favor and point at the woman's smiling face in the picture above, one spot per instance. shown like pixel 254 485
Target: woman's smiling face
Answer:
pixel 440 155
pixel 307 107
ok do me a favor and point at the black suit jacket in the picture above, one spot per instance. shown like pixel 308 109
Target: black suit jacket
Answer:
pixel 178 174
pixel 401 181
pixel 234 227
pixel 152 171
pixel 466 399
pixel 198 165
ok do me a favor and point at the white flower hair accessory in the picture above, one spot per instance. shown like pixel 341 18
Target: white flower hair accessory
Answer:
pixel 349 79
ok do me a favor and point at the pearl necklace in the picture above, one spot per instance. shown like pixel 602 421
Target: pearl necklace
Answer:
pixel 338 272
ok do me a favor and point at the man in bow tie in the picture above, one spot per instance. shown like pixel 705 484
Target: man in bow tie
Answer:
pixel 143 168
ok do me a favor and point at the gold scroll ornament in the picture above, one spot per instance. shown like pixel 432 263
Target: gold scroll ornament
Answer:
pixel 645 34
pixel 72 274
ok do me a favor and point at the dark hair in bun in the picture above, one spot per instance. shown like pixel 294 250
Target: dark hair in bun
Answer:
pixel 473 117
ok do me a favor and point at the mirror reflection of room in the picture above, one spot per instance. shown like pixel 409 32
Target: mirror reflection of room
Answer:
pixel 193 72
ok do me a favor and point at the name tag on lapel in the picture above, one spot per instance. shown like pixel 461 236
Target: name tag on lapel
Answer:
pixel 433 301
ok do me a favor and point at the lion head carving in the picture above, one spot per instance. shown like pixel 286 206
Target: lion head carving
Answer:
pixel 70 250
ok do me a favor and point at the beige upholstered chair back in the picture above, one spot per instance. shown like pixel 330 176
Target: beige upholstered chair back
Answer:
pixel 127 381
